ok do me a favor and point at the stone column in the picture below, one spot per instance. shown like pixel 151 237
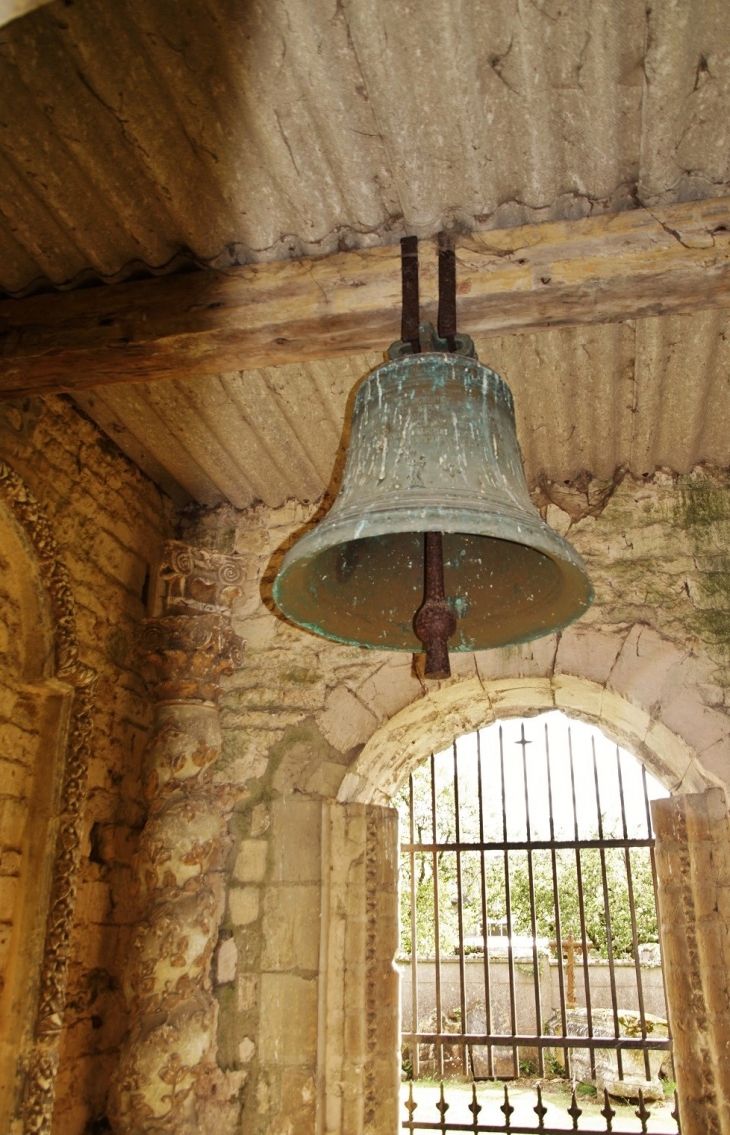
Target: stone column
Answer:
pixel 359 995
pixel 693 869
pixel 167 1070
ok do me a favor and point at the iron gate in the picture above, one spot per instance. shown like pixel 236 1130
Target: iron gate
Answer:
pixel 529 925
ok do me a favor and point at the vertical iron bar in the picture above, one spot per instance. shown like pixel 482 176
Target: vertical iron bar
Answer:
pixel 632 912
pixel 443 1107
pixel 460 911
pixel 436 927
pixel 556 900
pixel 410 299
pixel 415 1023
pixel 607 916
pixel 533 918
pixel 582 912
pixel 474 1106
pixel 447 290
pixel 485 918
pixel 508 903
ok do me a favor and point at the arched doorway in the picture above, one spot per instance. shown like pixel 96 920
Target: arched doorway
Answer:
pixel 529 938
pixel 33 720
pixel 46 703
pixel 360 988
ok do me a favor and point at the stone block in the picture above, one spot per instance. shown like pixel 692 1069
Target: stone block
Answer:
pixel 9 862
pixel 625 720
pixel 589 652
pixel 291 928
pixel 296 840
pixel 390 688
pixel 93 902
pixel 325 780
pixel 345 721
pixel 528 660
pixel 643 665
pixel 574 695
pixel 697 724
pixel 243 905
pixel 260 820
pixel 521 695
pixel 288 1008
pixel 226 961
pixel 250 866
pixel 671 757
pixel 14 779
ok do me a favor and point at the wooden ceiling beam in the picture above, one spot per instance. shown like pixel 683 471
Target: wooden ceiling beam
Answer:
pixel 600 269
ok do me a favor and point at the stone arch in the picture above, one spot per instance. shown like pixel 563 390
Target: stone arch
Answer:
pixel 433 721
pixel 657 703
pixel 46 696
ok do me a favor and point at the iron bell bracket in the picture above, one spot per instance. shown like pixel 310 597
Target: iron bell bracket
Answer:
pixel 430 341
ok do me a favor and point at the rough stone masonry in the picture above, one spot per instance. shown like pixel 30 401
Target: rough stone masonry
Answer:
pixel 294 967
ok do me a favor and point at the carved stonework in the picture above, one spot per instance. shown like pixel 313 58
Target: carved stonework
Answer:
pixel 186 656
pixel 371 967
pixel 43 1061
pixel 197 582
pixel 31 517
pixel 168 1061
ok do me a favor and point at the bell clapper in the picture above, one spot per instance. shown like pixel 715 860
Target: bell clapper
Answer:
pixel 435 622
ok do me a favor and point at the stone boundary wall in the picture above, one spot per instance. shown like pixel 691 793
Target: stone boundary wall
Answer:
pixel 599 976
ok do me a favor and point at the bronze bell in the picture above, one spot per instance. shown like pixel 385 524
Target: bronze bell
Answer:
pixel 433 450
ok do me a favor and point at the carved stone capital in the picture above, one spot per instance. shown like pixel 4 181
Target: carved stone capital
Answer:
pixel 186 656
pixel 198 582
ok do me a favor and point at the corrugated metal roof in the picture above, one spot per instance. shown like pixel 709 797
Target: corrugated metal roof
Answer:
pixel 653 392
pixel 228 130
pixel 145 134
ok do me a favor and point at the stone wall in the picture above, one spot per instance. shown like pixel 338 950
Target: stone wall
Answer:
pixel 548 980
pixel 306 722
pixel 315 737
pixel 109 522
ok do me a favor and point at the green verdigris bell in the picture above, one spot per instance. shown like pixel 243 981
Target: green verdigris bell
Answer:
pixel 433 450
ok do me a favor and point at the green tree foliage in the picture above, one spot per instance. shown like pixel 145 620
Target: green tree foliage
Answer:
pixel 604 879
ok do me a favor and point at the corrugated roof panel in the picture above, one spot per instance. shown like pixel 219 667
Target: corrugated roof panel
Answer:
pixel 573 391
pixel 682 392
pixel 643 394
pixel 126 405
pixel 238 130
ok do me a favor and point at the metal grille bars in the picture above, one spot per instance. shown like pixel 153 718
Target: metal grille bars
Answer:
pixel 528 891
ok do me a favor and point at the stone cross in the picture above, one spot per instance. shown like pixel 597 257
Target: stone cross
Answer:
pixel 570 946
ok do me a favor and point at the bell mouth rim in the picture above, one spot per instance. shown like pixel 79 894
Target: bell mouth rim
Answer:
pixel 572 560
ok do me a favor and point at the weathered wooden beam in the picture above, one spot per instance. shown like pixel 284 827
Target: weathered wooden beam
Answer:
pixel 596 270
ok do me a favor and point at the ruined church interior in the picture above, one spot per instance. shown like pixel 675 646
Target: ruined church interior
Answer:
pixel 364 567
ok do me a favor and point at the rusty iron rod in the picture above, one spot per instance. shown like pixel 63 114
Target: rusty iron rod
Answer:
pixel 409 282
pixel 447 290
pixel 435 622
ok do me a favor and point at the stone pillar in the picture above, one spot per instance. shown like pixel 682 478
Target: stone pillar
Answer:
pixel 167 1069
pixel 693 869
pixel 359 994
